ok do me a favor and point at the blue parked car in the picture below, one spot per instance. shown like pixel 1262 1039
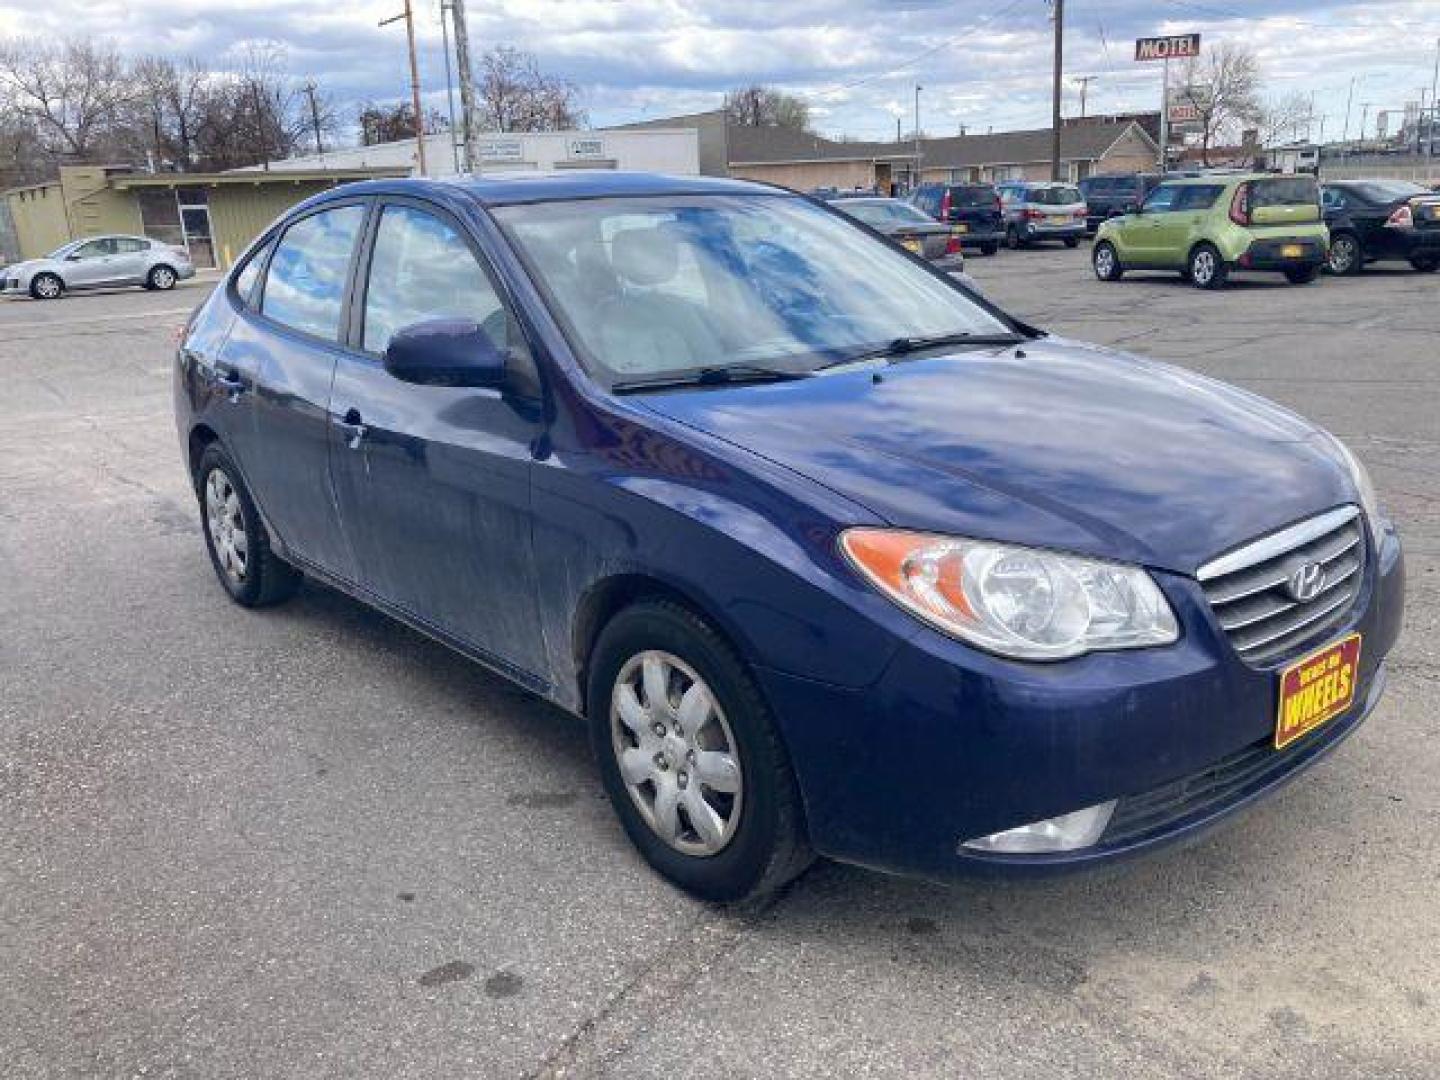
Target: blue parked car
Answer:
pixel 832 555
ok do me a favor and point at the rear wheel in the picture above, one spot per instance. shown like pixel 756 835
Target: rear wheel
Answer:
pixel 989 249
pixel 1072 241
pixel 1012 238
pixel 46 287
pixel 1106 261
pixel 690 756
pixel 1302 275
pixel 1426 264
pixel 1344 257
pixel 239 546
pixel 1207 269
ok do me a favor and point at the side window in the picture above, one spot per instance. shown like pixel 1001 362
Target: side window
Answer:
pixel 1199 197
pixel 422 268
pixel 1331 199
pixel 95 249
pixel 305 288
pixel 247 281
pixel 1161 199
pixel 128 245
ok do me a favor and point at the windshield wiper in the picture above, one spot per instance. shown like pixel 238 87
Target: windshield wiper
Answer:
pixel 712 375
pixel 901 346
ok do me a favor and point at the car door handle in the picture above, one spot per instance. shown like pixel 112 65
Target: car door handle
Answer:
pixel 230 382
pixel 351 429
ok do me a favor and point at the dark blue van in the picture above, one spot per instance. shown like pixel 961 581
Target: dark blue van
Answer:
pixel 974 208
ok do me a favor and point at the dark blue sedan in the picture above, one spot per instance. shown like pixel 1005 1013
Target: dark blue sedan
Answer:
pixel 832 555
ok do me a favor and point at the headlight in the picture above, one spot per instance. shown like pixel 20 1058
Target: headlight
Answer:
pixel 1364 487
pixel 1016 601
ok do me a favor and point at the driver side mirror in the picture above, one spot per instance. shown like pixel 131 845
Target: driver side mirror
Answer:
pixel 445 352
pixel 74 256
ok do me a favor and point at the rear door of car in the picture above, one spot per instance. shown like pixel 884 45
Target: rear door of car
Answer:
pixel 1175 230
pixel 292 341
pixel 131 260
pixel 433 482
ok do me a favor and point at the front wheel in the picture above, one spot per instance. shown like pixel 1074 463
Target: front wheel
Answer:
pixel 1207 269
pixel 1071 241
pixel 160 278
pixel 1106 261
pixel 1426 264
pixel 1302 275
pixel 46 287
pixel 690 756
pixel 989 249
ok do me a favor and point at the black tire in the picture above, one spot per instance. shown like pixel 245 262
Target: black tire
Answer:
pixel 1012 238
pixel 1426 264
pixel 46 287
pixel 1071 242
pixel 161 278
pixel 989 249
pixel 1345 256
pixel 266 578
pixel 1207 270
pixel 1106 262
pixel 768 846
pixel 1302 275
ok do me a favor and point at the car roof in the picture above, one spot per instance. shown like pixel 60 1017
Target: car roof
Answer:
pixel 515 188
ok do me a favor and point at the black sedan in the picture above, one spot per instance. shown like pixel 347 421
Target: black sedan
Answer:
pixel 1371 220
pixel 912 228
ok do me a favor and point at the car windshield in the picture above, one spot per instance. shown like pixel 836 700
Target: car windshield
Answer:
pixel 1390 190
pixel 1111 185
pixel 884 213
pixel 663 285
pixel 1053 196
pixel 63 250
pixel 1284 191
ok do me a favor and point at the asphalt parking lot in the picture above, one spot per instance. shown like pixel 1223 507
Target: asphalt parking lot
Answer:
pixel 309 842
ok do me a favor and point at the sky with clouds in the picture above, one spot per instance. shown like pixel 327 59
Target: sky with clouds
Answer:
pixel 982 63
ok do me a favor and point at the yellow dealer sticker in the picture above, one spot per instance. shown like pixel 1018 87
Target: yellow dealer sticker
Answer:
pixel 1317 689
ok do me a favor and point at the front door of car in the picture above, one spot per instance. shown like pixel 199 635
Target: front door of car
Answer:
pixel 1143 233
pixel 434 480
pixel 296 341
pixel 91 264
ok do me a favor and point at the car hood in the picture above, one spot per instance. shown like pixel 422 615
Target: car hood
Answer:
pixel 1055 444
pixel 26 267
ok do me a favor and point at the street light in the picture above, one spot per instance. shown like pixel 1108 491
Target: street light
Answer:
pixel 409 16
pixel 918 88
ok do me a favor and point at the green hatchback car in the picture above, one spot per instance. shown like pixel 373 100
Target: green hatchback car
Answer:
pixel 1206 227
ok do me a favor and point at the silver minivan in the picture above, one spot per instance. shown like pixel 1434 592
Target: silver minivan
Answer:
pixel 1037 211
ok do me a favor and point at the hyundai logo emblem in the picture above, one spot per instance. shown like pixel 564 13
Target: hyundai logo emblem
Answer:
pixel 1305 583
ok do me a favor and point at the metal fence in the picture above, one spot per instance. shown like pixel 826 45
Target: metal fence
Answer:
pixel 1422 170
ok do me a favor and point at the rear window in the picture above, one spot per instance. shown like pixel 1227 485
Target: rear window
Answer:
pixel 1054 196
pixel 883 214
pixel 1284 191
pixel 1390 190
pixel 981 195
pixel 1111 185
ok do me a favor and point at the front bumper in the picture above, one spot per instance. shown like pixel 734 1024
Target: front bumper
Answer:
pixel 951 744
pixel 1074 231
pixel 1271 255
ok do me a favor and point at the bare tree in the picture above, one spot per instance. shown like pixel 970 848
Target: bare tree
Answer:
pixel 1223 84
pixel 1282 118
pixel 75 94
pixel 390 123
pixel 516 96
pixel 171 103
pixel 765 106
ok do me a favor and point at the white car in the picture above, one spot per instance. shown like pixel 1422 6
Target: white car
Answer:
pixel 98 262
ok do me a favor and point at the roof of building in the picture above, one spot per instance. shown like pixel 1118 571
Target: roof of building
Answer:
pixel 680 123
pixel 776 145
pixel 1088 142
pixel 256 177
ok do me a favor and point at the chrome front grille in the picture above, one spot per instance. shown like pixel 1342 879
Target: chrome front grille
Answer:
pixel 1250 592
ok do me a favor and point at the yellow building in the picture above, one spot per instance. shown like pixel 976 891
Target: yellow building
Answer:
pixel 213 215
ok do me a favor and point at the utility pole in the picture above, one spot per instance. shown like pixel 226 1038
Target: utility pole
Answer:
pixel 260 125
pixel 309 89
pixel 1059 16
pixel 1434 102
pixel 1345 135
pixel 897 129
pixel 1084 82
pixel 1365 107
pixel 918 88
pixel 468 121
pixel 449 84
pixel 409 16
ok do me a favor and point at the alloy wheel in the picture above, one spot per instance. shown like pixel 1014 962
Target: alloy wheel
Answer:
pixel 48 287
pixel 1202 268
pixel 677 754
pixel 226 523
pixel 1104 261
pixel 163 277
pixel 1343 254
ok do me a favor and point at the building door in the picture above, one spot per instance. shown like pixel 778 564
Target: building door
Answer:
pixel 195 226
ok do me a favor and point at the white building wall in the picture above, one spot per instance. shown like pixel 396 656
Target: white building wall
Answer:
pixel 675 151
